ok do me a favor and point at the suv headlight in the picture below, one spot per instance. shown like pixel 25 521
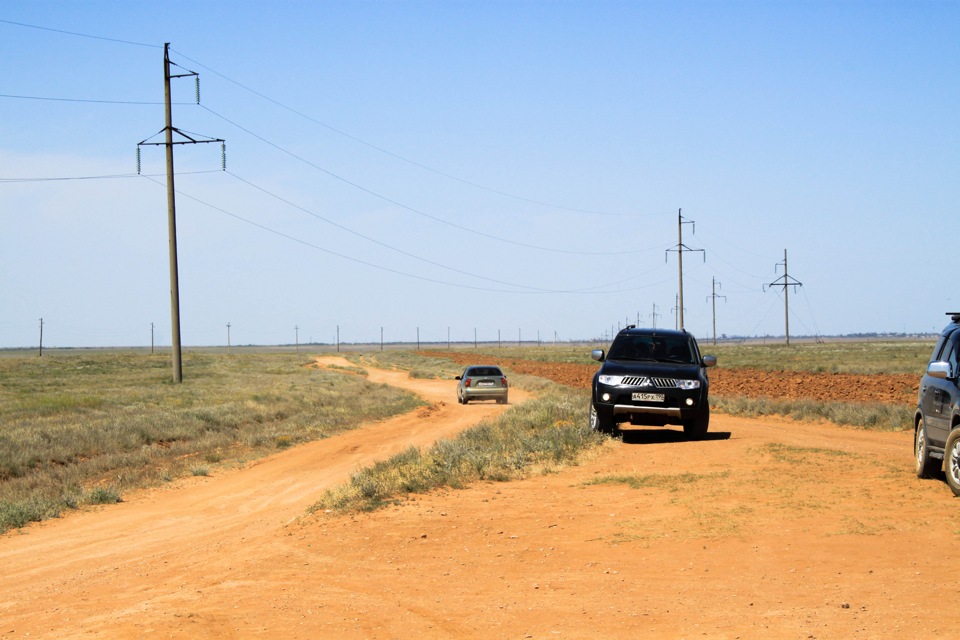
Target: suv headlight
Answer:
pixel 610 381
pixel 688 384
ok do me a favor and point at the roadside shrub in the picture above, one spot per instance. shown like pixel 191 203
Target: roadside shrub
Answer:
pixel 535 436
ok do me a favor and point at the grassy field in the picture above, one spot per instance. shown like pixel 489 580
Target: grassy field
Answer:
pixel 82 429
pixel 841 356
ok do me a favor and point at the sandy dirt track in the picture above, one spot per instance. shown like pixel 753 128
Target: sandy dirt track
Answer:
pixel 769 528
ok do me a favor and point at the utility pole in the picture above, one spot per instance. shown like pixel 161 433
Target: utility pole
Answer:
pixel 654 315
pixel 520 337
pixel 418 338
pixel 381 338
pixel 41 338
pixel 474 337
pixel 680 248
pixel 499 345
pixel 338 338
pixel 171 201
pixel 785 281
pixel 228 338
pixel 713 297
pixel 448 338
pixel 296 338
pixel 677 312
pixel 151 338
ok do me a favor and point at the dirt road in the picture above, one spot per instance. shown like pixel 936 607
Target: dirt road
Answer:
pixel 769 528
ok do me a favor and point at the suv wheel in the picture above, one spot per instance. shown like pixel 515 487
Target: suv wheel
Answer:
pixel 951 461
pixel 697 428
pixel 599 423
pixel 926 466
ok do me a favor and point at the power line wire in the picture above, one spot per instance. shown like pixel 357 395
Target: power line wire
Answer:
pixel 103 177
pixel 587 291
pixel 86 100
pixel 81 35
pixel 413 209
pixel 590 289
pixel 402 158
pixel 374 240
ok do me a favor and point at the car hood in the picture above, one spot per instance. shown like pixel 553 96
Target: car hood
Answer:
pixel 645 368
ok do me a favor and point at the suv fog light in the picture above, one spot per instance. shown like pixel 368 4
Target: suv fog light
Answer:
pixel 689 402
pixel 605 397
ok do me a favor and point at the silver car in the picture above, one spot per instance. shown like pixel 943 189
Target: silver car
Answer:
pixel 482 382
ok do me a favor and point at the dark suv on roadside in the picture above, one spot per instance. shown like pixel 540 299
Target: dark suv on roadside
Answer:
pixel 936 442
pixel 652 377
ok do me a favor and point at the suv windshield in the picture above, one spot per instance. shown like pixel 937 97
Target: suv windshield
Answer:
pixel 652 348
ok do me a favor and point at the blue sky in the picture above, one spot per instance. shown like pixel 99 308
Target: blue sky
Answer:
pixel 511 167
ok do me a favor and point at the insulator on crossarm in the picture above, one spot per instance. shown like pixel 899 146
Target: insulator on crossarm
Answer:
pixel 197 79
pixel 223 156
pixel 138 159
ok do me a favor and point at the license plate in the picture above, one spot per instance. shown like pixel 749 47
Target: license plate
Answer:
pixel 485 383
pixel 648 397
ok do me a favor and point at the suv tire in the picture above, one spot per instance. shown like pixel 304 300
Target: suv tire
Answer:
pixel 697 428
pixel 926 466
pixel 599 423
pixel 951 460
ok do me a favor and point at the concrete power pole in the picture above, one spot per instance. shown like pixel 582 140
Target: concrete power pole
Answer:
pixel 41 338
pixel 785 281
pixel 713 297
pixel 680 248
pixel 171 201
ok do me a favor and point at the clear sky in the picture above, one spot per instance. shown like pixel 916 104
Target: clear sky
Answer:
pixel 477 166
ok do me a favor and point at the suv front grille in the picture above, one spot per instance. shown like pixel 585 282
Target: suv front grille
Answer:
pixel 644 381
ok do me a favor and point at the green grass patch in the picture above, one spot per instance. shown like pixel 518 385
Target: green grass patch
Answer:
pixel 73 422
pixel 536 436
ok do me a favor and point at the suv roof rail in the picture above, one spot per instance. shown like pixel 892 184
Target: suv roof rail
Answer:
pixel 954 316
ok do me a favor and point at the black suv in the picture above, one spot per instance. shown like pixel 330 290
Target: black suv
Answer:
pixel 652 377
pixel 936 441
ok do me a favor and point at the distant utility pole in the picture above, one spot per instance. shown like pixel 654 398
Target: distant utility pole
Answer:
pixel 228 338
pixel 677 312
pixel 519 337
pixel 713 298
pixel 41 338
pixel 474 337
pixel 381 338
pixel 418 338
pixel 338 338
pixel 171 201
pixel 654 315
pixel 448 338
pixel 680 248
pixel 785 281
pixel 499 345
pixel 151 338
pixel 296 338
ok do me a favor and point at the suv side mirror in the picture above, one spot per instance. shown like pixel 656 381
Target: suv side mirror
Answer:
pixel 709 361
pixel 597 354
pixel 939 370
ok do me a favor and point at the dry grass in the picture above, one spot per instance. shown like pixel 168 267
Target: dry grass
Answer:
pixel 82 429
